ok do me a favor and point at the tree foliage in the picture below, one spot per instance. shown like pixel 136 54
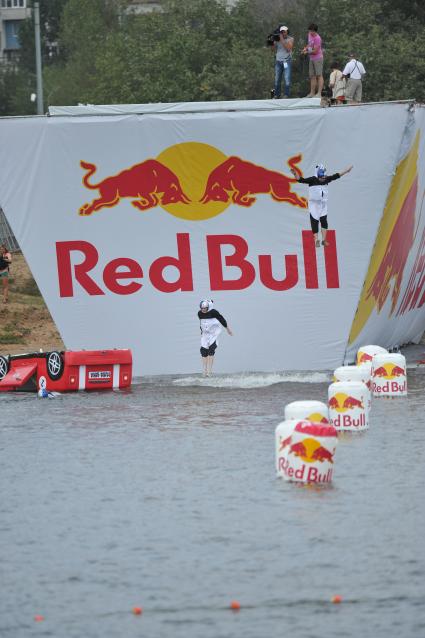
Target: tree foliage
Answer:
pixel 196 50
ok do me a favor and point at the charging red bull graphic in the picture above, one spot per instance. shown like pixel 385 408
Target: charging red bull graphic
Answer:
pixel 193 181
pixel 241 180
pixel 148 184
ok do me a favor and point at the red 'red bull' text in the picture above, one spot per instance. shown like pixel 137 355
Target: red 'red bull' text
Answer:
pixel 76 261
pixel 307 474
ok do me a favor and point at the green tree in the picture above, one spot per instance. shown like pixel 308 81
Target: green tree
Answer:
pixel 50 20
pixel 394 69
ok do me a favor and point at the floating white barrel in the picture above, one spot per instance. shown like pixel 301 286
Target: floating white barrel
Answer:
pixel 283 435
pixel 361 373
pixel 305 451
pixel 309 410
pixel 389 377
pixel 348 405
pixel 366 353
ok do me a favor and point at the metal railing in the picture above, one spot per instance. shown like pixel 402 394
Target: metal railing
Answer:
pixel 6 235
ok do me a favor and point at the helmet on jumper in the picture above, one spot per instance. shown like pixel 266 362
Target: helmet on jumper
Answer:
pixel 320 170
pixel 206 304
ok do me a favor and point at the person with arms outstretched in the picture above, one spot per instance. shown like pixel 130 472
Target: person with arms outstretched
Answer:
pixel 211 324
pixel 318 199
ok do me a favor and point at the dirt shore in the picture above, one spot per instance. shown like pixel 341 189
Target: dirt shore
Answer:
pixel 27 324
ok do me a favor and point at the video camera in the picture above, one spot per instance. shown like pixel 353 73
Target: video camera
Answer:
pixel 273 37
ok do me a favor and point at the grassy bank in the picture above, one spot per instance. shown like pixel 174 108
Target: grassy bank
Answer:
pixel 26 322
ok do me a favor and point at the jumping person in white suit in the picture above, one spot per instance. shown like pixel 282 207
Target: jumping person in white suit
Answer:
pixel 211 324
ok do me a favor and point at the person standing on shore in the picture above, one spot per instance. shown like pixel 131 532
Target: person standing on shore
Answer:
pixel 318 199
pixel 211 323
pixel 5 261
pixel 283 64
pixel 315 67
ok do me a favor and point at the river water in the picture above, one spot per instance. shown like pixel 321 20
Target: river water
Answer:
pixel 165 497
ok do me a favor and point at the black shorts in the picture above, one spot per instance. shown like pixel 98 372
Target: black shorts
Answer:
pixel 209 352
pixel 315 223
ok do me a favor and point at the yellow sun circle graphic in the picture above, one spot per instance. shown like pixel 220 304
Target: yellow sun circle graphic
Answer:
pixel 193 162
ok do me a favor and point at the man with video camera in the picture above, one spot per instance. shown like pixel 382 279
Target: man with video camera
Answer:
pixel 283 47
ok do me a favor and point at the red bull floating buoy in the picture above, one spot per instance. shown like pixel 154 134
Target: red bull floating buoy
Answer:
pixel 348 405
pixel 360 373
pixel 389 377
pixel 309 410
pixel 305 451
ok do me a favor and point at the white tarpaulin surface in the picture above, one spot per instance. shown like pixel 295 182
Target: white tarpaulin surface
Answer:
pixel 128 220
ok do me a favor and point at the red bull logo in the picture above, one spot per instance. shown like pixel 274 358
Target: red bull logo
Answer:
pixel 386 379
pixel 191 180
pixel 344 405
pixel 301 459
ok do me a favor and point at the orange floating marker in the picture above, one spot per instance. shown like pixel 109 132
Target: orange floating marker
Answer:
pixel 38 618
pixel 137 611
pixel 235 605
pixel 336 599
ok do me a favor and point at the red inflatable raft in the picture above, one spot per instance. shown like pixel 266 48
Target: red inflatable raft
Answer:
pixel 66 371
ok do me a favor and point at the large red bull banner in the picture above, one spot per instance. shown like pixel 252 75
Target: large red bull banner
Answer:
pixel 128 218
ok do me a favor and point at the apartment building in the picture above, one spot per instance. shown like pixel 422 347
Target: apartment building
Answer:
pixel 12 12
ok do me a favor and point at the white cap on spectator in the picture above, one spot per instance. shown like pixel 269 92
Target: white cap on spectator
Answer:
pixel 283 29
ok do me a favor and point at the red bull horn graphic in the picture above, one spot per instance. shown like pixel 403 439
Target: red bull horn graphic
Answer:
pixel 193 181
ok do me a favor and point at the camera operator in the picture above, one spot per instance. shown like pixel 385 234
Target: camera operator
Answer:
pixel 315 54
pixel 283 64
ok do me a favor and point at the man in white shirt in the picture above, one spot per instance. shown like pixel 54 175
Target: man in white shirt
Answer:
pixel 354 71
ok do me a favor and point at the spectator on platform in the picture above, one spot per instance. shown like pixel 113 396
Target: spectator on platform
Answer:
pixel 315 67
pixel 283 64
pixel 337 84
pixel 5 261
pixel 354 72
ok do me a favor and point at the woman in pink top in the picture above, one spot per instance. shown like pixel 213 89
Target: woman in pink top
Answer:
pixel 315 67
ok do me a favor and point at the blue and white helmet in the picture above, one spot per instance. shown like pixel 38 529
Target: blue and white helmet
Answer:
pixel 320 170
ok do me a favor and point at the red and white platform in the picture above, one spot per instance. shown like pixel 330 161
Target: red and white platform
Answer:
pixel 66 371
